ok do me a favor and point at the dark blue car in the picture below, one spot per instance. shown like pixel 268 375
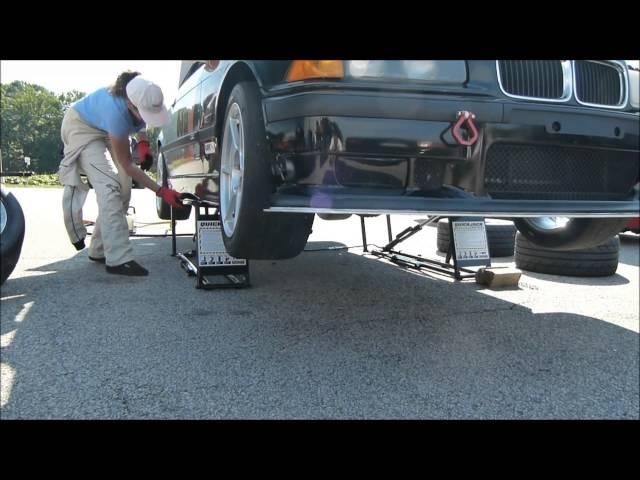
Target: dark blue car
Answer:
pixel 275 142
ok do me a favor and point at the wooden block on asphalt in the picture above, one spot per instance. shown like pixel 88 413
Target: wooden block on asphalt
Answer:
pixel 496 277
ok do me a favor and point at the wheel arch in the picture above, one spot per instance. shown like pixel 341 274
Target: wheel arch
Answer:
pixel 239 72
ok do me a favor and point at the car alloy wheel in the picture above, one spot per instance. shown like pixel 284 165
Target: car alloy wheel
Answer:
pixel 549 223
pixel 232 169
pixel 564 234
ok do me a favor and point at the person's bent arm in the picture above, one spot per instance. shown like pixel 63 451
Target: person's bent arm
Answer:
pixel 123 157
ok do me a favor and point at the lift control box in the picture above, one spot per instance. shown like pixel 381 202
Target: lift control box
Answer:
pixel 214 267
pixel 471 247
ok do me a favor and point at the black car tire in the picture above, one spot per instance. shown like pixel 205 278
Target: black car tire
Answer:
pixel 11 236
pixel 500 237
pixel 577 234
pixel 600 261
pixel 259 235
pixel 162 207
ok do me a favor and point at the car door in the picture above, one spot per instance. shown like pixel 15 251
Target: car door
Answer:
pixel 181 148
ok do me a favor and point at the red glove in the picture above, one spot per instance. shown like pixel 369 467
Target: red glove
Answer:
pixel 144 152
pixel 170 196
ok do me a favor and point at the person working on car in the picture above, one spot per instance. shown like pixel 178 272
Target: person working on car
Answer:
pixel 95 131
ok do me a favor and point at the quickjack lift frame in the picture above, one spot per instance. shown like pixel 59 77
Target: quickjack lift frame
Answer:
pixel 464 119
pixel 233 276
pixel 415 262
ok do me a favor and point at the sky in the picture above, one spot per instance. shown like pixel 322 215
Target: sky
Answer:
pixel 89 75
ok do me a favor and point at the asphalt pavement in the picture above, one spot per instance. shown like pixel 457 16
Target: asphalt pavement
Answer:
pixel 330 334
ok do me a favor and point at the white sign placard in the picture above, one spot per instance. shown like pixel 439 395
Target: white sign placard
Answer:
pixel 211 251
pixel 470 240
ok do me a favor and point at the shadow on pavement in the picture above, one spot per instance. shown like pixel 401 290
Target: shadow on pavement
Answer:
pixel 324 335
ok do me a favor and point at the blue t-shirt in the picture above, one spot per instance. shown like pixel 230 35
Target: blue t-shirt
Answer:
pixel 105 112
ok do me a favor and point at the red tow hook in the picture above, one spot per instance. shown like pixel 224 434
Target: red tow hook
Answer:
pixel 463 117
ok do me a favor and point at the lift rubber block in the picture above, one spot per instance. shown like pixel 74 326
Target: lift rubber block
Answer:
pixel 497 277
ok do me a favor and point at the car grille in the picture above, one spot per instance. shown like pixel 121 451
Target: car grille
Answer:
pixel 533 78
pixel 559 173
pixel 598 83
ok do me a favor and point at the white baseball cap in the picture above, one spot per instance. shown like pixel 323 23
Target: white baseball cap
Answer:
pixel 148 99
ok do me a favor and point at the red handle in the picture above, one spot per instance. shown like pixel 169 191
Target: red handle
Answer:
pixel 463 117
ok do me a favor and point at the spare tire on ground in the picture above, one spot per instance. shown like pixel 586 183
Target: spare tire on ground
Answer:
pixel 500 236
pixel 600 261
pixel 11 234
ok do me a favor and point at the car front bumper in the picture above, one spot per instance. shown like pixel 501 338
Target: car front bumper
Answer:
pixel 372 153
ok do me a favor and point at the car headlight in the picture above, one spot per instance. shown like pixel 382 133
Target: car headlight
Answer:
pixel 428 71
pixel 433 71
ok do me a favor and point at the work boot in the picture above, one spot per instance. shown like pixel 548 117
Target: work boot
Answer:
pixel 132 269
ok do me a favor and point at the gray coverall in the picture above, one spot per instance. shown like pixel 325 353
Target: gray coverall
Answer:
pixel 87 151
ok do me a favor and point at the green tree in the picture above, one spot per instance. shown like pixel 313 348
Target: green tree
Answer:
pixel 30 120
pixel 67 98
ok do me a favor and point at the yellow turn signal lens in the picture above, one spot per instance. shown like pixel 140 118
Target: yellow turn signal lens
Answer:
pixel 308 69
